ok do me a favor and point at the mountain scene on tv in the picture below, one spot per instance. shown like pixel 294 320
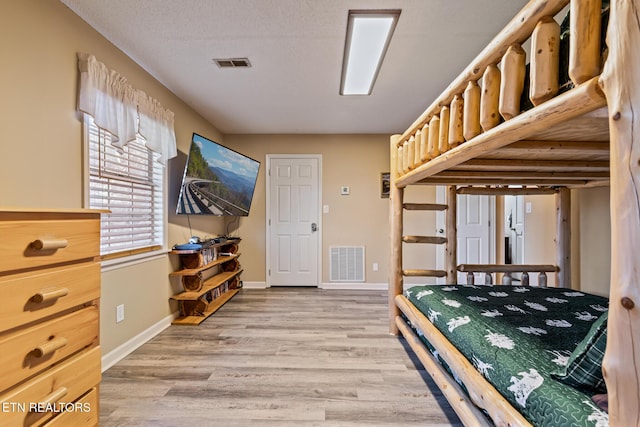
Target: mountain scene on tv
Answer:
pixel 217 181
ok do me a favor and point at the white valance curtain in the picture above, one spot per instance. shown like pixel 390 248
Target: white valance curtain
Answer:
pixel 122 110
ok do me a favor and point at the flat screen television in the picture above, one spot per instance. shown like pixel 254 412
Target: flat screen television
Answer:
pixel 217 180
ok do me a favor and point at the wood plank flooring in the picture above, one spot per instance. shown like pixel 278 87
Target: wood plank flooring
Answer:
pixel 277 357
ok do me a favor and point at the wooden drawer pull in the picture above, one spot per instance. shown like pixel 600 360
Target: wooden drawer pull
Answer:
pixel 45 296
pixel 50 346
pixel 53 397
pixel 49 244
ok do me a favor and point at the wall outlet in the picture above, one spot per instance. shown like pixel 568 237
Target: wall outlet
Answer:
pixel 119 313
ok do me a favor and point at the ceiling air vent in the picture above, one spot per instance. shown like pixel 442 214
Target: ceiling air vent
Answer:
pixel 232 62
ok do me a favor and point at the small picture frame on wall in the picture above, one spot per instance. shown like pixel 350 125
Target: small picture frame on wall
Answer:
pixel 385 185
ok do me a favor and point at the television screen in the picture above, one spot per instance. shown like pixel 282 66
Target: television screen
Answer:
pixel 216 180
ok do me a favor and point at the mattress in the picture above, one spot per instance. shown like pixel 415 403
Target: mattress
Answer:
pixel 518 338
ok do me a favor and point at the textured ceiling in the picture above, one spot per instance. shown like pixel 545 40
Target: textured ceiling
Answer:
pixel 295 48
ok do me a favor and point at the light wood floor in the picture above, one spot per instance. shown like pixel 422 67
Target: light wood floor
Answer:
pixel 277 357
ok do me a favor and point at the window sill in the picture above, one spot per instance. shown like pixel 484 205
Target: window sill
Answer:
pixel 127 261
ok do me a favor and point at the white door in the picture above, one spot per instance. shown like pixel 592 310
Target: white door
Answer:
pixel 476 238
pixel 474 232
pixel 293 191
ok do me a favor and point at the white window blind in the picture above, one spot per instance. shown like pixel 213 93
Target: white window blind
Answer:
pixel 128 181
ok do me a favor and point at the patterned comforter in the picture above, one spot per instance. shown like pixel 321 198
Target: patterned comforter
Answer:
pixel 517 337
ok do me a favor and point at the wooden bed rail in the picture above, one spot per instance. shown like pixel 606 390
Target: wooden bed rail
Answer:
pixel 490 88
pixel 517 31
pixel 483 394
pixel 468 413
pixel 506 191
pixel 508 270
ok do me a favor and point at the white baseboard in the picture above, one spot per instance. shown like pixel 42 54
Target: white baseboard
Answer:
pixel 329 286
pixel 122 351
pixel 356 286
pixel 254 285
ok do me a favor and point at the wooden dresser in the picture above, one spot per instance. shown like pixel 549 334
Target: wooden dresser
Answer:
pixel 49 317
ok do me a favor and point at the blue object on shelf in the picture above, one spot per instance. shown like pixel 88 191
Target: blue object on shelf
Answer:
pixel 188 247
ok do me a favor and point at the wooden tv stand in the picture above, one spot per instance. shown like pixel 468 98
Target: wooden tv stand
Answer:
pixel 208 278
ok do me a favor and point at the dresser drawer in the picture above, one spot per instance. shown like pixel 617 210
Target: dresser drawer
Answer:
pixel 27 297
pixel 28 244
pixel 31 350
pixel 54 389
pixel 85 413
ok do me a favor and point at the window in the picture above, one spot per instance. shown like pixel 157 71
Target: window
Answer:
pixel 128 181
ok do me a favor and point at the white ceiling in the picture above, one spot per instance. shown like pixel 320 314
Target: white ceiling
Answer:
pixel 296 48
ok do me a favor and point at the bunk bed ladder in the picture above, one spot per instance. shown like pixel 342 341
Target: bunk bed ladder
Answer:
pixel 396 238
pixel 430 240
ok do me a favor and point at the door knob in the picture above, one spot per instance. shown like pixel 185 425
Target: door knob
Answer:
pixel 440 230
pixel 314 227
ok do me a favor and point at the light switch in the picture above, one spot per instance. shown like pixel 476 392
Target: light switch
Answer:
pixel 325 208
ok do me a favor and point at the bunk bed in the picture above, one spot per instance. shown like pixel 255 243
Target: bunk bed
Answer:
pixel 564 118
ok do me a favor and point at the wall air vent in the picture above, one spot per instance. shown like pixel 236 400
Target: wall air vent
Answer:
pixel 346 263
pixel 232 62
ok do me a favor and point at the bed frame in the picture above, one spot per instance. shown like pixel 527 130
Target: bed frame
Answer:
pixel 580 138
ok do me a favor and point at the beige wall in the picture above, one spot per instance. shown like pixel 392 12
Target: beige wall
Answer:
pixel 41 146
pixel 595 240
pixel 590 235
pixel 540 232
pixel 360 218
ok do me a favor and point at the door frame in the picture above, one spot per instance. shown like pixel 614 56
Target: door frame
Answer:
pixel 267 180
pixel 518 204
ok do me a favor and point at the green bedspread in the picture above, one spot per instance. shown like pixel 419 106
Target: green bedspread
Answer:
pixel 517 337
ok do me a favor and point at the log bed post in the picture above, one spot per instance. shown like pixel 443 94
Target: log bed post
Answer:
pixel 395 237
pixel 471 111
pixel 545 42
pixel 490 98
pixel 424 144
pixel 418 143
pixel 512 81
pixel 443 137
pixel 455 122
pixel 563 237
pixel 434 137
pixel 584 53
pixel 451 250
pixel 619 81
